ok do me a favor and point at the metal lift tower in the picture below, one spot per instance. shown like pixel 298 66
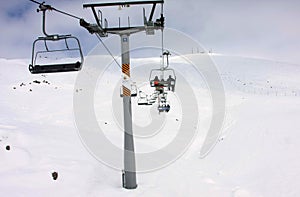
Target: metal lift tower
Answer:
pixel 101 29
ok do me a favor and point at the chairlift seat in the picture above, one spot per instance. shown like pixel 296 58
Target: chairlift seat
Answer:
pixel 55 68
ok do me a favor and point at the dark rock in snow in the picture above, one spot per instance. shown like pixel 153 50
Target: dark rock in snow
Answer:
pixel 54 175
pixel 36 81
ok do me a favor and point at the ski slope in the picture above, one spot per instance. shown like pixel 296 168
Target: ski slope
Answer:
pixel 257 153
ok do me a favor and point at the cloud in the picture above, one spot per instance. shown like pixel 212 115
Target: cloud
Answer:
pixel 266 28
pixel 253 28
pixel 21 25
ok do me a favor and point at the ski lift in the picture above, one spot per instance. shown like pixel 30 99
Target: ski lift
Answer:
pixel 163 104
pixel 161 78
pixel 151 101
pixel 68 58
pixel 143 100
pixel 153 97
pixel 63 51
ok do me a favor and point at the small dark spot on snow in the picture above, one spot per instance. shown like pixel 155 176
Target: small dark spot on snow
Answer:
pixel 47 82
pixel 30 90
pixel 14 88
pixel 176 119
pixel 36 81
pixel 7 147
pixel 105 123
pixel 54 175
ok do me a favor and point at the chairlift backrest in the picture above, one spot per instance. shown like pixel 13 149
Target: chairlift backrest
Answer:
pixel 157 73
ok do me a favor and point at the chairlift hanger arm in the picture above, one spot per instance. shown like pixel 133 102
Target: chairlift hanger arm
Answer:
pixel 43 8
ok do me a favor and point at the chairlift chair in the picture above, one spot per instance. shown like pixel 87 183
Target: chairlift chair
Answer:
pixel 133 90
pixel 163 78
pixel 164 108
pixel 63 64
pixel 71 45
pixel 163 104
pixel 154 96
pixel 143 100
pixel 151 99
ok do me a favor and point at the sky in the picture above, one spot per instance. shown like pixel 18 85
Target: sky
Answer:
pixel 268 29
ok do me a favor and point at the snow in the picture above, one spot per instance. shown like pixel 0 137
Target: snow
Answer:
pixel 257 153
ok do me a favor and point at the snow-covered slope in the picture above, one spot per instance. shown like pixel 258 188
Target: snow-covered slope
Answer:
pixel 256 155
